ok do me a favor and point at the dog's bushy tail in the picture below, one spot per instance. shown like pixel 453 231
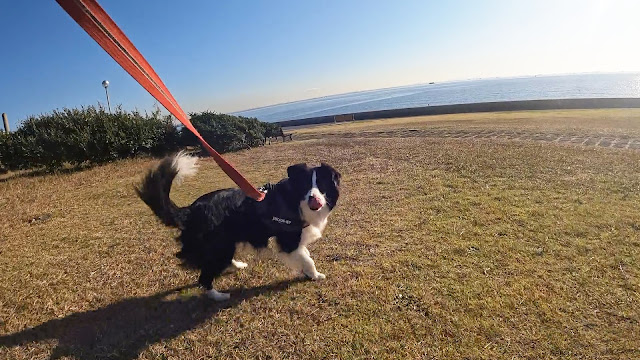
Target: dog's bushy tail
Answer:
pixel 156 186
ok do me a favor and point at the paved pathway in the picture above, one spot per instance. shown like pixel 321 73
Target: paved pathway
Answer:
pixel 621 141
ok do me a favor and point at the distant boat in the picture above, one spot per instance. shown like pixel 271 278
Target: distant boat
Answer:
pixel 431 83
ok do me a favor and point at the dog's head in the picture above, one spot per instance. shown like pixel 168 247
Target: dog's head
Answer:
pixel 318 188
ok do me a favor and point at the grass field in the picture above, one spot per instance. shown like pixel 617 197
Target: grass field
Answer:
pixel 439 249
pixel 594 122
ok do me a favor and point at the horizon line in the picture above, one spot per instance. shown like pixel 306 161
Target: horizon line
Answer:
pixel 437 82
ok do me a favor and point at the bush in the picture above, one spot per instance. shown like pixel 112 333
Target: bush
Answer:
pixel 227 133
pixel 91 134
pixel 16 151
pixel 272 130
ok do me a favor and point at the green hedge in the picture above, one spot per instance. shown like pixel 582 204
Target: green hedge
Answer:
pixel 227 133
pixel 93 135
pixel 90 134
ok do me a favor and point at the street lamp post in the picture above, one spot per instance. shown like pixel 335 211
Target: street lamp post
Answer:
pixel 105 84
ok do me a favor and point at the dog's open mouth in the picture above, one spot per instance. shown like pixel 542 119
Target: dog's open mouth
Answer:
pixel 315 203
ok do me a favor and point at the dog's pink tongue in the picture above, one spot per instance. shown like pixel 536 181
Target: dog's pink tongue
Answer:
pixel 315 203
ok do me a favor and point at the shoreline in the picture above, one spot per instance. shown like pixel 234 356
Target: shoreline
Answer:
pixel 499 106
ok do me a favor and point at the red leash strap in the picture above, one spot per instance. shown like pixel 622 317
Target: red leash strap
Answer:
pixel 97 23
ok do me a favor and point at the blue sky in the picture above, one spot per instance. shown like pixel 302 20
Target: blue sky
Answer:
pixel 234 55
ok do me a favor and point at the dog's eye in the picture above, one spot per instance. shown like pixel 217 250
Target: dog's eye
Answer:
pixel 324 184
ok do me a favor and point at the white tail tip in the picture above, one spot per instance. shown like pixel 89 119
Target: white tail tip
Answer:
pixel 185 165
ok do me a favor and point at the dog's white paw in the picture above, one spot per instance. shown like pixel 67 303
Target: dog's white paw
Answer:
pixel 239 264
pixel 217 296
pixel 235 266
pixel 317 276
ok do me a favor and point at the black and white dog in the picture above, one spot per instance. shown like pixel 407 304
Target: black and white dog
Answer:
pixel 294 211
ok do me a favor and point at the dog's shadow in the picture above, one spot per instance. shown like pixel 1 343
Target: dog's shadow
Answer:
pixel 124 329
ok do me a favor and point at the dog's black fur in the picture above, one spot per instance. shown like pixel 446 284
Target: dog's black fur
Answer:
pixel 213 224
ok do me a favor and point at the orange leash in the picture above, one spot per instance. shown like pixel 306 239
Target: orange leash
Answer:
pixel 97 23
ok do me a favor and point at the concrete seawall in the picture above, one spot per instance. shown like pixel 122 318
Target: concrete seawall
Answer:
pixel 558 104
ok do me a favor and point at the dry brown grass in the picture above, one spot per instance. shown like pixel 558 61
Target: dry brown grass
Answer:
pixel 612 122
pixel 439 248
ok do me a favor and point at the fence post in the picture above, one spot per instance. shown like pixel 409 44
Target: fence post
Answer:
pixel 5 120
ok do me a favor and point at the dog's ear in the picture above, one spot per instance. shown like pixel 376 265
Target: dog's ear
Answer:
pixel 335 175
pixel 297 170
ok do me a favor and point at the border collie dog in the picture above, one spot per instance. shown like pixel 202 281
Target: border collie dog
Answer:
pixel 294 211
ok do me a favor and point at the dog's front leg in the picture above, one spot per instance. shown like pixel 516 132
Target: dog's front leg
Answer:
pixel 300 260
pixel 309 266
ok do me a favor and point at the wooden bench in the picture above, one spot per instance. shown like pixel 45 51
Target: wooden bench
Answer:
pixel 282 135
pixel 343 117
pixel 289 135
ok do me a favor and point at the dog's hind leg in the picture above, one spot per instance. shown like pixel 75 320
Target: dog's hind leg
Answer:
pixel 218 296
pixel 206 280
pixel 213 268
pixel 238 264
pixel 235 266
pixel 257 242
